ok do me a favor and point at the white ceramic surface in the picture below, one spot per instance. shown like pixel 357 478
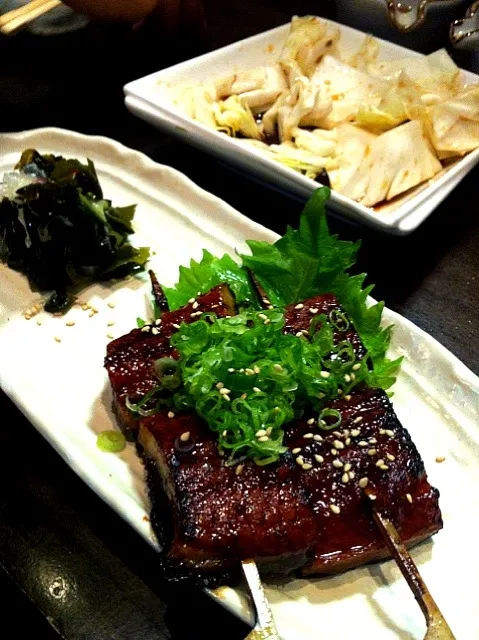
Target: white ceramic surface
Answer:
pixel 62 388
pixel 149 99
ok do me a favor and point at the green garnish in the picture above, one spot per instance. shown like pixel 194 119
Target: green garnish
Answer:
pixel 242 374
pixel 247 379
pixel 111 441
pixel 60 231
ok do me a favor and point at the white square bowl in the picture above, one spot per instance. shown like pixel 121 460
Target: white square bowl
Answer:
pixel 149 99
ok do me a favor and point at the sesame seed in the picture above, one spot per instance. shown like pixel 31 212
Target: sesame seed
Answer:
pixel 244 396
pixel 296 451
pixel 263 439
pixel 372 496
pixel 299 334
pixel 347 466
pixel 57 339
pixel 260 433
pixel 111 323
pixel 256 389
pixel 351 475
pixel 390 457
pixel 409 498
pixel 345 478
pixel 363 483
pixel 356 366
pixel 347 442
pixel 224 433
pixel 338 434
pixel 317 438
pixel 70 323
pixel 440 459
pixel 224 391
pixel 231 370
pixel 111 305
pixel 39 322
pixel 146 328
pixel 321 395
pixel 347 398
pixel 338 444
pixel 335 509
pixel 270 306
pixel 276 409
pixel 175 326
pixel 191 300
pixel 382 432
pixel 266 301
pixel 154 331
pixel 372 440
pixel 357 420
pixel 324 374
pixel 380 462
pixel 277 367
pixel 91 314
pixel 27 316
pixel 300 460
pixel 249 372
pixel 334 452
pixel 263 316
pixel 110 336
pixel 299 306
pixel 310 421
pixel 371 452
pixel 340 392
pixel 355 432
pixel 362 443
pixel 267 321
pixel 390 433
pixel 353 377
pixel 307 466
pixel 226 397
pixel 347 378
pixel 337 463
pixel 195 305
pixel 318 457
pixel 269 430
pixel 308 436
pixel 305 332
pixel 158 322
pixel 171 414
pixel 313 311
pixel 239 469
pixel 256 369
pixel 384 467
pixel 241 370
pixel 219 385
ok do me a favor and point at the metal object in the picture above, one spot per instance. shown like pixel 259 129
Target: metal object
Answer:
pixel 464 33
pixel 265 628
pixel 437 627
pixel 407 15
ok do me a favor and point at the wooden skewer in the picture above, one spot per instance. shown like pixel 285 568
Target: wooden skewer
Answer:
pixel 14 20
pixel 437 627
pixel 265 628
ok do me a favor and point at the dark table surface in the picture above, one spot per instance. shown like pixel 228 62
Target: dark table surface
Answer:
pixel 69 564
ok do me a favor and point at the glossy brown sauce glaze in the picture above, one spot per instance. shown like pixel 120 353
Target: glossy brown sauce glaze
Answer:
pixel 130 358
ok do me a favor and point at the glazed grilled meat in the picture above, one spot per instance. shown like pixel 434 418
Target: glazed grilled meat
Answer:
pixel 130 358
pixel 309 509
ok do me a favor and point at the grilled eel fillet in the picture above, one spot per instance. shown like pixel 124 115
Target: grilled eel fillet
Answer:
pixel 208 516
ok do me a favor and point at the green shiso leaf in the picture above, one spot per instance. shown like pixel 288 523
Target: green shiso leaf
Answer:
pixel 202 276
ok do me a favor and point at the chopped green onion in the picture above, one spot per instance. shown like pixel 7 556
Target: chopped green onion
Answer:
pixel 339 320
pixel 329 419
pixel 111 441
pixel 140 323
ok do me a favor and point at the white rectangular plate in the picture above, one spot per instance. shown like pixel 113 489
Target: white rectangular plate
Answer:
pixel 149 99
pixel 62 388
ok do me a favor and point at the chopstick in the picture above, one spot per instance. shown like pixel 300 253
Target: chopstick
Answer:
pixel 14 20
pixel 265 628
pixel 437 627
